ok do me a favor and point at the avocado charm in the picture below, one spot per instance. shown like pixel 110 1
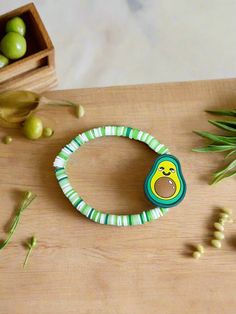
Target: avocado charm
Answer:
pixel 165 185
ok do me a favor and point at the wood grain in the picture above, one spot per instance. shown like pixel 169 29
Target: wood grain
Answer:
pixel 82 267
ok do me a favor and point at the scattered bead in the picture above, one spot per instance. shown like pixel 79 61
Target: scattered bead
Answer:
pixel 47 132
pixel 28 194
pixel 230 220
pixel 219 227
pixel 200 248
pixel 227 210
pixel 222 221
pixel 216 243
pixel 219 235
pixel 7 139
pixel 80 112
pixel 196 254
pixel 224 216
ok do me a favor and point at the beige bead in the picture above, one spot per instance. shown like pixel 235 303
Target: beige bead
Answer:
pixel 80 112
pixel 219 235
pixel 222 221
pixel 218 226
pixel 196 254
pixel 200 248
pixel 224 216
pixel 216 243
pixel 230 220
pixel 227 210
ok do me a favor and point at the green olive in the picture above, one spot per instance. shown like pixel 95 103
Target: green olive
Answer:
pixel 47 132
pixel 3 61
pixel 17 25
pixel 33 128
pixel 13 46
pixel 7 139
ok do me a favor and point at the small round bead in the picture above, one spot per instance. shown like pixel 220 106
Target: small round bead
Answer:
pixel 227 210
pixel 216 243
pixel 47 132
pixel 230 220
pixel 200 248
pixel 224 216
pixel 196 254
pixel 218 226
pixel 7 139
pixel 219 235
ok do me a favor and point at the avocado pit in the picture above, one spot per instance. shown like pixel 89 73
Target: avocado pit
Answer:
pixel 165 187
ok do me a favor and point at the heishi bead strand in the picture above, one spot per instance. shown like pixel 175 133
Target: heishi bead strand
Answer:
pixel 91 213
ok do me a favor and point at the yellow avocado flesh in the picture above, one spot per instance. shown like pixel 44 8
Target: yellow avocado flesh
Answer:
pixel 168 168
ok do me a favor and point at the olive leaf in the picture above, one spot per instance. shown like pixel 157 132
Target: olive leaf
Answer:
pixel 217 138
pixel 223 112
pixel 233 152
pixel 214 148
pixel 17 106
pixel 221 143
pixel 226 172
pixel 225 125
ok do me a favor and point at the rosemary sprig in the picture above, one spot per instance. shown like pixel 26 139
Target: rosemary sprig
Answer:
pixel 26 201
pixel 221 143
pixel 31 245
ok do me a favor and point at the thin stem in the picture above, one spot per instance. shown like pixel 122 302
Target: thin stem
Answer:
pixel 27 257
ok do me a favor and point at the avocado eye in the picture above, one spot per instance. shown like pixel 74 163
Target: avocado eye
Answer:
pixel 161 168
pixel 172 170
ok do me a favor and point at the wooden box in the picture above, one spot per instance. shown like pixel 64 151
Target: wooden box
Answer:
pixel 36 70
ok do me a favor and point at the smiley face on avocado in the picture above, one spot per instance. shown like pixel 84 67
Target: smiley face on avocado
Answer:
pixel 165 185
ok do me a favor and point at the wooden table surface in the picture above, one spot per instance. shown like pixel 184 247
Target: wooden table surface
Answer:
pixel 83 267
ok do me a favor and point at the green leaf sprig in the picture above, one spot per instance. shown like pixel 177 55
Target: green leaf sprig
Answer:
pixel 26 201
pixel 221 143
pixel 31 245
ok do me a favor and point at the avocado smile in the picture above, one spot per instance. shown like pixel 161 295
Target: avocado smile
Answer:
pixel 166 173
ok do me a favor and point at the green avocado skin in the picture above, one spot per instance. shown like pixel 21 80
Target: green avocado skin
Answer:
pixel 147 185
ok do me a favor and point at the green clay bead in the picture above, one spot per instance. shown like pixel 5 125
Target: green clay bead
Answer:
pixel 47 132
pixel 200 248
pixel 219 235
pixel 196 254
pixel 219 227
pixel 224 216
pixel 227 210
pixel 216 243
pixel 7 140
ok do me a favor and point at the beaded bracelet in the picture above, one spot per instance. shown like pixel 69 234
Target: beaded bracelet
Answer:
pixel 164 186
